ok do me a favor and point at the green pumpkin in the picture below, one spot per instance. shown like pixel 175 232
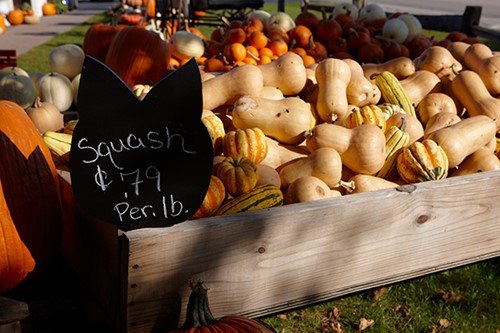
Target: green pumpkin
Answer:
pixel 19 89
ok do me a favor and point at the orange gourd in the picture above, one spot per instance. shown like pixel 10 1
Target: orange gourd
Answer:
pixel 238 174
pixel 216 193
pixel 30 185
pixel 250 142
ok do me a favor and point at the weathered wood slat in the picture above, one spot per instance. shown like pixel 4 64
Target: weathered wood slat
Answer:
pixel 267 261
pixel 12 313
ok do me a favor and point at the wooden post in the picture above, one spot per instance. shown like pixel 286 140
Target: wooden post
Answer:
pixel 12 313
pixel 471 18
pixel 281 5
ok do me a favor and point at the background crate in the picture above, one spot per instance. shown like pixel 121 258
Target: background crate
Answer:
pixel 263 262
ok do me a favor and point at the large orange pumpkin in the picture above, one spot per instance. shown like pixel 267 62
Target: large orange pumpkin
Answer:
pixel 138 56
pixel 30 185
pixel 98 38
pixel 15 259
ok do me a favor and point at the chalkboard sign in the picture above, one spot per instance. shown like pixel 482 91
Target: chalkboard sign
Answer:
pixel 140 163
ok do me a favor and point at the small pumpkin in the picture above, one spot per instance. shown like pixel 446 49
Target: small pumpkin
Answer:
pixel 15 16
pixel 250 142
pixel 199 318
pixel 3 26
pixel 238 174
pixel 422 161
pixel 49 9
pixel 46 116
pixel 216 193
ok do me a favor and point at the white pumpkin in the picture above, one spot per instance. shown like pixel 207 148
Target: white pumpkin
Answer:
pixel 396 30
pixel 280 20
pixel 67 59
pixel 35 77
pixel 75 84
pixel 414 26
pixel 56 88
pixel 12 70
pixel 371 12
pixel 346 8
pixel 186 45
pixel 262 15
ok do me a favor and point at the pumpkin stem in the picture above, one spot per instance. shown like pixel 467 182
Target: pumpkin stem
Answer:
pixel 198 313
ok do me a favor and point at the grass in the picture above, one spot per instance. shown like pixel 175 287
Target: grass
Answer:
pixel 461 300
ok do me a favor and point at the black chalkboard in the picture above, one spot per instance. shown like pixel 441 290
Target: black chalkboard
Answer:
pixel 140 163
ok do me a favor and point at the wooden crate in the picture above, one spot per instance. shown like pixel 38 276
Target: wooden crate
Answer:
pixel 263 262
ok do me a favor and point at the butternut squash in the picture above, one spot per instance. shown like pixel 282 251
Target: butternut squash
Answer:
pixel 324 163
pixel 360 90
pixel 465 137
pixel 287 73
pixel 479 161
pixel 285 120
pixel 268 175
pixel 473 94
pixel 440 61
pixel 367 183
pixel 440 120
pixel 362 148
pixel 279 154
pixel 227 87
pixel 271 93
pixel 333 76
pixel 479 58
pixel 457 50
pixel 420 84
pixel 434 103
pixel 308 188
pixel 401 67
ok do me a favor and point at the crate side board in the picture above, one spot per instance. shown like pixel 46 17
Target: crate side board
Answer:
pixel 96 253
pixel 257 263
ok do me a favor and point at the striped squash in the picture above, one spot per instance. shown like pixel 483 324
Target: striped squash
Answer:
pixel 393 92
pixel 238 174
pixel 422 161
pixel 215 128
pixel 216 193
pixel 261 197
pixel 250 142
pixel 368 114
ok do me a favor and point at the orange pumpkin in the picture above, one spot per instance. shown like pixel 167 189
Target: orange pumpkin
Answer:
pixel 30 185
pixel 216 193
pixel 49 9
pixel 138 56
pixel 15 17
pixel 3 28
pixel 15 259
pixel 238 174
pixel 98 38
pixel 250 142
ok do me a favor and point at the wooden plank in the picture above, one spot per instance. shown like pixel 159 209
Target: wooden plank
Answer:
pixel 8 58
pixel 262 262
